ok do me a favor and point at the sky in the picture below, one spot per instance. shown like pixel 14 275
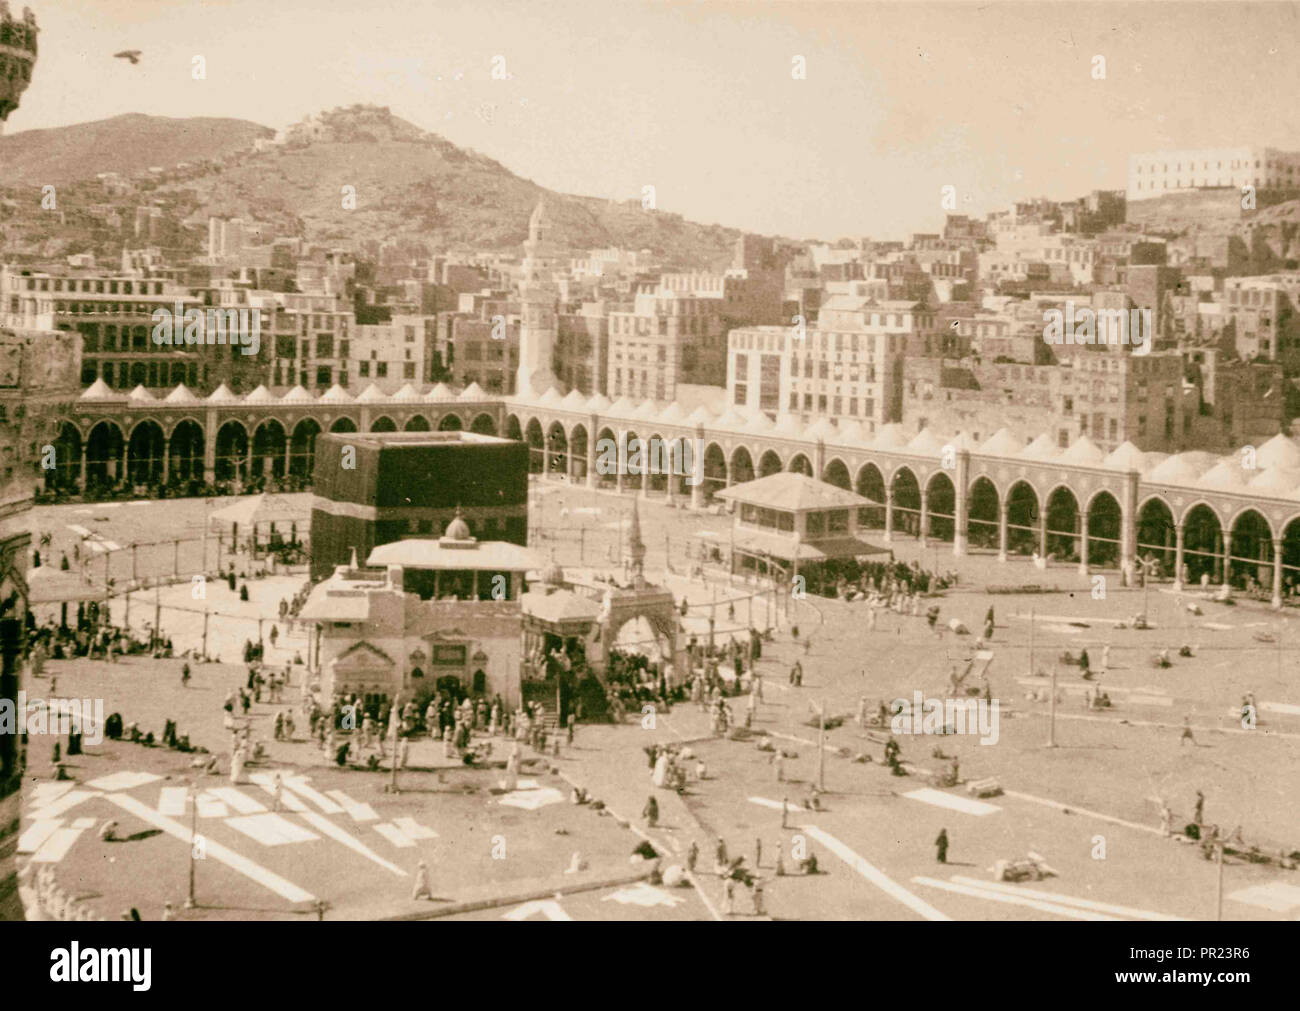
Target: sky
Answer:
pixel 698 100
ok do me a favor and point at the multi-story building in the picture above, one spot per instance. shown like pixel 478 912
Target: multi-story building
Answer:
pixel 1261 312
pixel 1160 173
pixel 582 349
pixel 846 368
pixel 312 338
pixel 665 338
pixel 390 354
pixel 114 316
pixel 1105 393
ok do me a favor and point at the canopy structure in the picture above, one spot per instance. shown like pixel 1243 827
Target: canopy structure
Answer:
pixel 257 510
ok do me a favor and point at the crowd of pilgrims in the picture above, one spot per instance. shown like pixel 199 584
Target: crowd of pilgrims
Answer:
pixel 355 729
pixel 856 580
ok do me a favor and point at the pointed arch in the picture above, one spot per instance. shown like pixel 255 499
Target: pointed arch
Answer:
pixel 870 484
pixel 302 449
pixel 383 423
pixel 451 422
pixel 1063 524
pixel 416 423
pixel 982 514
pixel 837 473
pixel 742 466
pixel 769 464
pixel 1022 518
pixel 145 453
pixel 941 505
pixel 906 492
pixel 715 471
pixel 186 451
pixel 343 424
pixel 484 424
pixel 1106 531
pixel 231 461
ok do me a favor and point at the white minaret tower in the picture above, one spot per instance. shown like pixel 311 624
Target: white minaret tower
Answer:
pixel 538 297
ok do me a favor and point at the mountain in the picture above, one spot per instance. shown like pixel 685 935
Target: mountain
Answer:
pixel 411 187
pixel 126 144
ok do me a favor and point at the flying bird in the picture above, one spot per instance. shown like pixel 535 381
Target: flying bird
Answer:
pixel 128 54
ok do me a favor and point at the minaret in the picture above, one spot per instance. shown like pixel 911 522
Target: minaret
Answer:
pixel 538 297
pixel 17 58
pixel 636 548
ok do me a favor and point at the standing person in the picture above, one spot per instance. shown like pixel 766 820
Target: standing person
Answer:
pixel 277 787
pixel 1187 732
pixel 729 891
pixel 941 844
pixel 758 896
pixel 185 675
pixel 778 764
pixel 1200 808
pixel 651 812
pixel 421 889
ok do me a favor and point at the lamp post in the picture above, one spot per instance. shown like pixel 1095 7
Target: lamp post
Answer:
pixel 194 828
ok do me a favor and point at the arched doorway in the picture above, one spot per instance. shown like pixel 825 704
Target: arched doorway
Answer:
pixel 837 473
pixel 941 504
pixel 416 423
pixel 268 446
pixel 1105 530
pixel 1203 544
pixel 104 449
pixel 907 502
pixel 742 466
pixel 871 484
pixel 484 425
pixel 715 471
pixel 982 514
pixel 231 459
pixel 1063 524
pixel 769 464
pixel 383 423
pixel 1022 519
pixel 799 465
pixel 536 444
pixel 66 473
pixel 450 423
pixel 302 449
pixel 186 450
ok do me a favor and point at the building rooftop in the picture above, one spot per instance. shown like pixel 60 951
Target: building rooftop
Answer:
pixel 418 553
pixel 792 492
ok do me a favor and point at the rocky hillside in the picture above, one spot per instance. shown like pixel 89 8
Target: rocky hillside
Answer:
pixel 127 145
pixel 410 186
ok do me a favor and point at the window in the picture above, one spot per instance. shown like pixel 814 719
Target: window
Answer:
pixel 363 370
pixel 381 370
pixel 324 375
pixel 408 370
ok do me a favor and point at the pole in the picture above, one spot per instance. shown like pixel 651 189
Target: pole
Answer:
pixel 1051 727
pixel 135 573
pixel 176 559
pixel 1218 915
pixel 157 613
pixel 821 749
pixel 1031 642
pixel 393 717
pixel 194 828
pixel 206 614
